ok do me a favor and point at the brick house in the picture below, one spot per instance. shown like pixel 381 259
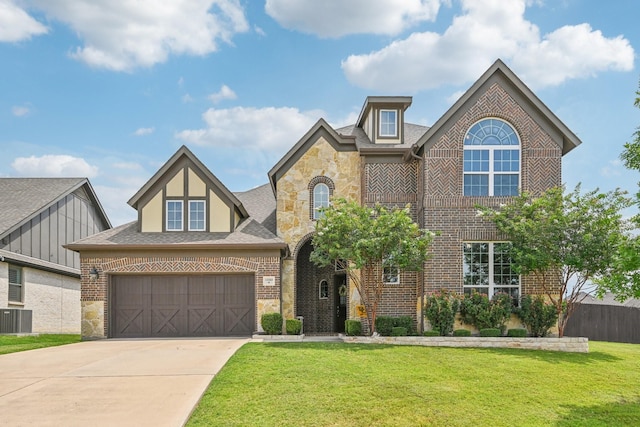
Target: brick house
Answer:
pixel 496 140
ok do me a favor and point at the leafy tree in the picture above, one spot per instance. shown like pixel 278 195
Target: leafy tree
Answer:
pixel 565 241
pixel 631 154
pixel 366 241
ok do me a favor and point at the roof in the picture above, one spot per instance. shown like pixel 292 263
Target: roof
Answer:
pixel 500 71
pixel 250 234
pixel 20 259
pixel 185 152
pixel 412 134
pixel 609 299
pixel 24 198
pixel 404 101
pixel 261 206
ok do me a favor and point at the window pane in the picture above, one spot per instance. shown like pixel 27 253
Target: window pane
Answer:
pixel 391 275
pixel 505 185
pixel 476 160
pixel 506 160
pixel 15 284
pixel 174 215
pixel 476 185
pixel 320 199
pixel 503 272
pixel 476 264
pixel 196 215
pixel 388 123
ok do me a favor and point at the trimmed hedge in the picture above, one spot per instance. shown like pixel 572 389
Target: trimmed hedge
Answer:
pixel 490 332
pixel 353 328
pixel 431 333
pixel 293 326
pixel 385 324
pixel 272 323
pixel 461 333
pixel 517 333
pixel 398 331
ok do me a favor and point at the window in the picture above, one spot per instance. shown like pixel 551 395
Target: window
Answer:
pixel 16 284
pixel 324 289
pixel 196 215
pixel 320 199
pixel 491 159
pixel 488 269
pixel 174 215
pixel 388 123
pixel 390 275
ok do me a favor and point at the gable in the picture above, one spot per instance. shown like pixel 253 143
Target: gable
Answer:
pixel 185 184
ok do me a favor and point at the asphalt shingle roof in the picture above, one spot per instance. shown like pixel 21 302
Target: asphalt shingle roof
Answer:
pixel 260 203
pixel 412 134
pixel 22 198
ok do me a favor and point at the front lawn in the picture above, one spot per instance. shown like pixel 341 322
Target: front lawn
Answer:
pixel 334 384
pixel 13 343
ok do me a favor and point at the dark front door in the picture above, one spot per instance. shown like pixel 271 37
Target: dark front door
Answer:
pixel 341 290
pixel 182 306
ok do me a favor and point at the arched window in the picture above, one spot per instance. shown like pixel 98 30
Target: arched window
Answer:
pixel 491 159
pixel 320 199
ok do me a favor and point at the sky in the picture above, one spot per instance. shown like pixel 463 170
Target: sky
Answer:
pixel 110 89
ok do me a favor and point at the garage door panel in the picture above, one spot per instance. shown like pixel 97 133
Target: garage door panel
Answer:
pixel 173 306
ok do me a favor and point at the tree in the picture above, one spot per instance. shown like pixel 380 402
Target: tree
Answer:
pixel 369 242
pixel 567 242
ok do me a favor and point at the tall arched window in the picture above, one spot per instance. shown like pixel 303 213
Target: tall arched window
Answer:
pixel 320 199
pixel 491 159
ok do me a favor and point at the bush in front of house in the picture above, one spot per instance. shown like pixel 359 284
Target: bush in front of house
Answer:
pixel 517 333
pixel 431 333
pixel 293 326
pixel 441 308
pixel 461 333
pixel 490 332
pixel 353 328
pixel 385 324
pixel 537 315
pixel 398 331
pixel 271 323
pixel 480 311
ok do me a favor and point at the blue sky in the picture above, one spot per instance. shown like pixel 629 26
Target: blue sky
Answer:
pixel 110 89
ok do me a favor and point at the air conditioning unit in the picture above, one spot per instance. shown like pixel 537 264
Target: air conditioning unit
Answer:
pixel 15 321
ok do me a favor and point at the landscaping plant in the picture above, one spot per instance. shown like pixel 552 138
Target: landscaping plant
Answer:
pixel 537 315
pixel 480 311
pixel 441 308
pixel 272 323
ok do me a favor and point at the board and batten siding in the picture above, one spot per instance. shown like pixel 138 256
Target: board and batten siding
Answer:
pixel 71 218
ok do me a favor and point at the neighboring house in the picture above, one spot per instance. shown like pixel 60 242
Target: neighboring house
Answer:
pixel 192 234
pixel 39 278
pixel 605 319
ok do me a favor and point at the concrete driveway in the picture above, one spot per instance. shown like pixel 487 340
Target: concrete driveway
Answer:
pixel 110 382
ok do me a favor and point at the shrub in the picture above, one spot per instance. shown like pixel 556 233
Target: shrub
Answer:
pixel 353 328
pixel 398 331
pixel 293 326
pixel 480 311
pixel 490 332
pixel 384 324
pixel 272 323
pixel 441 309
pixel 431 333
pixel 517 333
pixel 537 315
pixel 404 322
pixel 461 333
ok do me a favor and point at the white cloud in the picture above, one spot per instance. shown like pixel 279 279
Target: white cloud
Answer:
pixel 267 129
pixel 336 18
pixel 186 98
pixel 259 31
pixel 53 165
pixel 144 131
pixel 487 30
pixel 128 34
pixel 20 111
pixel 612 169
pixel 16 24
pixel 224 93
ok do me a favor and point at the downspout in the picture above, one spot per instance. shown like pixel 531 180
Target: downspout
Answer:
pixel 421 224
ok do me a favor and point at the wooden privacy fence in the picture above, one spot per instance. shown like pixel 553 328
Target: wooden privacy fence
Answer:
pixel 600 322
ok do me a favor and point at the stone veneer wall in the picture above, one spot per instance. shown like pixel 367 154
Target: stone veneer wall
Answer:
pixel 445 208
pixel 293 222
pixel 94 295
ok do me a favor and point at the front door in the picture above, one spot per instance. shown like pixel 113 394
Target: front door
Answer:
pixel 341 290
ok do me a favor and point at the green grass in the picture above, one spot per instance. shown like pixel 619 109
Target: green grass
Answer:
pixel 12 343
pixel 334 384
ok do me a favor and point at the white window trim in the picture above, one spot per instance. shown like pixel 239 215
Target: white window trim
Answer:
pixel 167 215
pixel 384 276
pixel 491 173
pixel 316 208
pixel 491 287
pixel 204 223
pixel 320 289
pixel 390 135
pixel 9 284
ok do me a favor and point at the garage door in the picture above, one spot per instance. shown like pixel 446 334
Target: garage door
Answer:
pixel 182 306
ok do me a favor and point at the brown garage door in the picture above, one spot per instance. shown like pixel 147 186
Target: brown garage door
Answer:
pixel 182 306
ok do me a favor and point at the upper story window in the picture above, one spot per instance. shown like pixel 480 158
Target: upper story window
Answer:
pixel 16 284
pixel 197 215
pixel 174 215
pixel 491 159
pixel 320 199
pixel 388 123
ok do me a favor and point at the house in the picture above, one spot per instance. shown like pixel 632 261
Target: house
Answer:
pixel 605 319
pixel 193 236
pixel 39 278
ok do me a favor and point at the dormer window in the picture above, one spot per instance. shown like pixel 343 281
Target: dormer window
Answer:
pixel 196 215
pixel 388 123
pixel 174 215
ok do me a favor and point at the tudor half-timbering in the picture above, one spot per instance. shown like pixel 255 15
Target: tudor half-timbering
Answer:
pixel 201 260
